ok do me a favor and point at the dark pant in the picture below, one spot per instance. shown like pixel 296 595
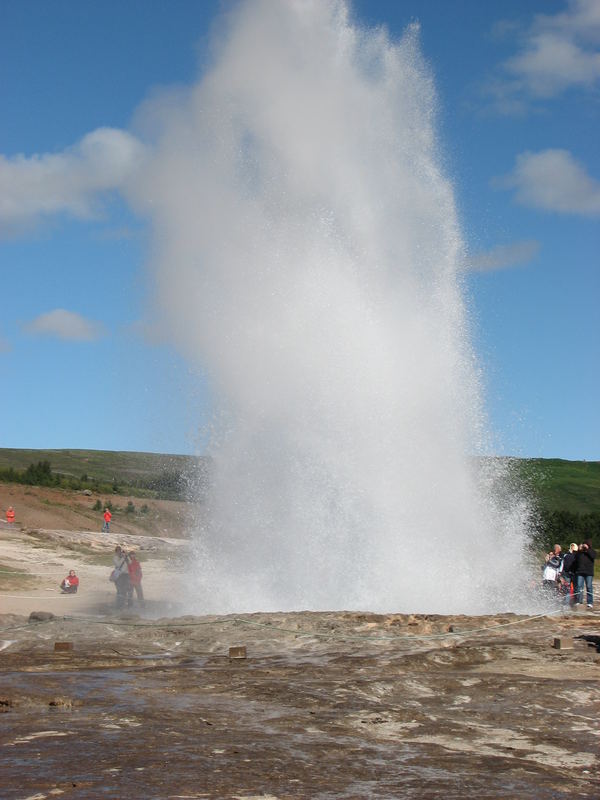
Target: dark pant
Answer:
pixel 123 585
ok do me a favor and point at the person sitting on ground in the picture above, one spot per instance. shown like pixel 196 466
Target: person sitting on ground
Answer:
pixel 10 515
pixel 70 584
pixel 135 579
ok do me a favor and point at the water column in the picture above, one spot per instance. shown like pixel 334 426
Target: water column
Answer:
pixel 307 257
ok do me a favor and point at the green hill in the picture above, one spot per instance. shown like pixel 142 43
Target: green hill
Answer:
pixel 105 466
pixel 142 474
pixel 556 485
pixel 572 486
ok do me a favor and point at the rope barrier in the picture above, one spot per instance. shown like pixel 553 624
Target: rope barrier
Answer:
pixel 28 574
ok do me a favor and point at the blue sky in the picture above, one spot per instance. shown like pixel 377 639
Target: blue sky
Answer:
pixel 518 94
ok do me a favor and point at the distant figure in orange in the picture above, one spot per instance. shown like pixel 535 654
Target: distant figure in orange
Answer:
pixel 10 514
pixel 107 518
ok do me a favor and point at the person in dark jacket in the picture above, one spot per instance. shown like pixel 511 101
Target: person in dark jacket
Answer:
pixel 120 576
pixel 584 569
pixel 568 570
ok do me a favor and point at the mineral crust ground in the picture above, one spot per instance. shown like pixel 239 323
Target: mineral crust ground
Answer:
pixel 325 705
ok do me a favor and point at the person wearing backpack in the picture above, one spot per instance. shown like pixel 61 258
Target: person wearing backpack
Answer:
pixel 120 575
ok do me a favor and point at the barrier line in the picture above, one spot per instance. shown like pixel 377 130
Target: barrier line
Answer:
pixel 57 571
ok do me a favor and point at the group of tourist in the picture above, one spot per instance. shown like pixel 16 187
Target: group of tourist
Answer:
pixel 568 573
pixel 127 577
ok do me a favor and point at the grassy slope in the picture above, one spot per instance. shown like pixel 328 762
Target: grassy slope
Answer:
pixel 104 466
pixel 564 485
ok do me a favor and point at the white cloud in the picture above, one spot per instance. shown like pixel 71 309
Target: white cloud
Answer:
pixel 558 52
pixel 553 180
pixel 68 182
pixel 65 325
pixel 507 255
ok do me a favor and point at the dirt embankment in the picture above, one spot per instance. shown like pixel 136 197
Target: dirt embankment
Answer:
pixel 60 509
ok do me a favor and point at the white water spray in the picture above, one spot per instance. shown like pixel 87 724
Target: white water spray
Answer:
pixel 307 255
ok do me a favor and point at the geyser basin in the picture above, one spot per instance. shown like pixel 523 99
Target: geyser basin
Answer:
pixel 307 256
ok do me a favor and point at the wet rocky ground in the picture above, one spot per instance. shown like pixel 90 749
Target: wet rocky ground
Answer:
pixel 325 705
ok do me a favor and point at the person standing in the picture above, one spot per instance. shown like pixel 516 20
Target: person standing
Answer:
pixel 557 553
pixel 551 571
pixel 107 518
pixel 568 570
pixel 120 576
pixel 135 579
pixel 584 569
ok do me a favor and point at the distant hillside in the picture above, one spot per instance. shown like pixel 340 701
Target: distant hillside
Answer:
pixel 142 474
pixel 572 486
pixel 102 465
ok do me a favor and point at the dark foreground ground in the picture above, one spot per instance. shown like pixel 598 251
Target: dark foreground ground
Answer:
pixel 327 705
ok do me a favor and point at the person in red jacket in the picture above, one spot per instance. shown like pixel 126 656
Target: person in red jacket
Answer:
pixel 70 584
pixel 135 579
pixel 107 518
pixel 10 514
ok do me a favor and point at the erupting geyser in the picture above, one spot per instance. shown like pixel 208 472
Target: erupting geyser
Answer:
pixel 308 256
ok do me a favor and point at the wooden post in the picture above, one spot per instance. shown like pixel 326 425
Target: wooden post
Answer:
pixel 63 647
pixel 562 644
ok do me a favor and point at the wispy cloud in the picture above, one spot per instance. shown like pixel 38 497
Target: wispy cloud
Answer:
pixel 64 324
pixel 503 256
pixel 69 182
pixel 553 180
pixel 557 52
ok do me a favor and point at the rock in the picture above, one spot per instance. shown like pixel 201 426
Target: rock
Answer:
pixel 40 616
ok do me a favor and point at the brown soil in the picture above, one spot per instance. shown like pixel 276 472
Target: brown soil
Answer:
pixel 40 507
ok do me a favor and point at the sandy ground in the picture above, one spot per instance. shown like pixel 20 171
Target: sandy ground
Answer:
pixel 33 563
pixel 324 705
